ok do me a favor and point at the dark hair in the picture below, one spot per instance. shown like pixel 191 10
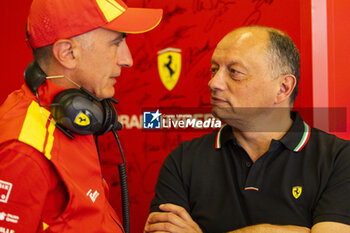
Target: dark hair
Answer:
pixel 285 58
pixel 43 55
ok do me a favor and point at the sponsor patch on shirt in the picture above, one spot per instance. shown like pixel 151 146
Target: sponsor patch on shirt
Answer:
pixel 93 195
pixel 5 190
pixel 8 217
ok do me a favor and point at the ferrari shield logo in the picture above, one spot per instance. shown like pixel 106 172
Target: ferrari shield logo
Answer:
pixel 296 191
pixel 82 119
pixel 169 66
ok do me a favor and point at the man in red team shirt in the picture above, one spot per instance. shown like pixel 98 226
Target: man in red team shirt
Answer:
pixel 49 182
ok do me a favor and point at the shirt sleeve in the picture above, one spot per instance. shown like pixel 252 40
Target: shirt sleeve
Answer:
pixel 23 188
pixel 334 203
pixel 170 187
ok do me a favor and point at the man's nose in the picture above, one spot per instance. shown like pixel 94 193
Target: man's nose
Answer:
pixel 217 81
pixel 124 55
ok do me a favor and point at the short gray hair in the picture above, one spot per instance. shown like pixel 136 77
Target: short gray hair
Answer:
pixel 284 57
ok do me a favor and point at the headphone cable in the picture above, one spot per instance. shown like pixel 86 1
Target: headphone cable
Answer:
pixel 123 183
pixel 123 187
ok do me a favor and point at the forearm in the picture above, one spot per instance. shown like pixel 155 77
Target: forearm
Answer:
pixel 268 228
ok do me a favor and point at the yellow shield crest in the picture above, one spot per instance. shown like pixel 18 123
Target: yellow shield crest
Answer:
pixel 296 191
pixel 169 67
pixel 82 119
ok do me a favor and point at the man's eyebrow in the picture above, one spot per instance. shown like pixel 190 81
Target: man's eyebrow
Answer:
pixel 213 62
pixel 231 63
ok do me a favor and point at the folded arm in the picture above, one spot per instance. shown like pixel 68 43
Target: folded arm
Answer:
pixel 176 219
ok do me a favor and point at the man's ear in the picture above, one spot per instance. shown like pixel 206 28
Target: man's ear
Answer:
pixel 287 84
pixel 65 51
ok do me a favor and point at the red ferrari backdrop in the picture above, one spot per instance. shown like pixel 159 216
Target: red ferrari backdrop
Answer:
pixel 190 30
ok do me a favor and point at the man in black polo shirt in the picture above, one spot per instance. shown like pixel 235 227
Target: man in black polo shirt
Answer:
pixel 266 170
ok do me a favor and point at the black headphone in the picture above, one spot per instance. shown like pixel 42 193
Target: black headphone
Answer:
pixel 75 110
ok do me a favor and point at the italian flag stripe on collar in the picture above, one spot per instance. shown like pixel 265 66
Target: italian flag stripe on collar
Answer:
pixel 218 138
pixel 304 138
pixel 299 147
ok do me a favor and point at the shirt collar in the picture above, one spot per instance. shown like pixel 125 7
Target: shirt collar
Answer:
pixel 223 135
pixel 298 135
pixel 295 139
pixel 47 92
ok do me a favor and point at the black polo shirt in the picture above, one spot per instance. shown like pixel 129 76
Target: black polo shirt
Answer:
pixel 302 179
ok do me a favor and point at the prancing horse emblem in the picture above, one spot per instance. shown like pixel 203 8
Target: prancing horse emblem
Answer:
pixel 82 119
pixel 169 66
pixel 296 191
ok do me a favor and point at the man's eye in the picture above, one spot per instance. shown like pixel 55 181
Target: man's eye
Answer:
pixel 236 75
pixel 214 70
pixel 117 43
pixel 233 71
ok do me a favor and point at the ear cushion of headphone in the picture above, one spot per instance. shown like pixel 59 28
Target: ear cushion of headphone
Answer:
pixel 34 76
pixel 110 117
pixel 75 111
